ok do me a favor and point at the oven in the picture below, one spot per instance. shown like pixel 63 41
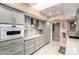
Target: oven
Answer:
pixel 8 31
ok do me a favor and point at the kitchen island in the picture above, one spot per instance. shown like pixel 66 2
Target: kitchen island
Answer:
pixel 72 46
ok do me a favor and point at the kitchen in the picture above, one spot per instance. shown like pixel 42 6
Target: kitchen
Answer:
pixel 20 33
pixel 26 31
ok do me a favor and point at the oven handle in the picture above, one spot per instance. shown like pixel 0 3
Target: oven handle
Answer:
pixel 13 26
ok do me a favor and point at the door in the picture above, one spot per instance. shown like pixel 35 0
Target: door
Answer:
pixel 56 31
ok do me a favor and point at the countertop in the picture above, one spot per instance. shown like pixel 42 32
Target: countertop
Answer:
pixel 72 46
pixel 32 36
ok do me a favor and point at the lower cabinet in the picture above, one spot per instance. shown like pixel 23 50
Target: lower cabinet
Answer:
pixel 29 51
pixel 19 52
pixel 32 45
pixel 29 46
pixel 40 41
pixel 45 40
pixel 20 46
pixel 12 47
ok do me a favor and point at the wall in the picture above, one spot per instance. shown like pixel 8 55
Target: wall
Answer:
pixel 63 20
pixel 49 31
pixel 29 9
pixel 30 30
pixel 63 29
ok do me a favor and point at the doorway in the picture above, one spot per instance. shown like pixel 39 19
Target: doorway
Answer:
pixel 56 31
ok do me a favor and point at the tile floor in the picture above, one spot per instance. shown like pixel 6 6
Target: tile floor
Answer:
pixel 49 49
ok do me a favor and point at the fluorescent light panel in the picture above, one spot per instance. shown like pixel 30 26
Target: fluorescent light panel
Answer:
pixel 42 6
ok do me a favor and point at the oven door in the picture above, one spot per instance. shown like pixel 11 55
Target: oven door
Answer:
pixel 10 33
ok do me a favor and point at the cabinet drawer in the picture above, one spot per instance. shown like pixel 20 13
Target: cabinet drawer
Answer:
pixel 37 46
pixel 10 50
pixel 29 44
pixel 39 40
pixel 21 52
pixel 29 51
pixel 10 42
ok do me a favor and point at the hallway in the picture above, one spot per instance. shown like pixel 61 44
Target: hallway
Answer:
pixel 49 49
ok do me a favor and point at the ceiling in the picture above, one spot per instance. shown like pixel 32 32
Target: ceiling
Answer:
pixel 69 9
pixel 31 4
pixel 53 10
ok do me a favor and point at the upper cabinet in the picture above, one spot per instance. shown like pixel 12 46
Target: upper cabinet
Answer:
pixel 11 15
pixel 40 25
pixel 17 17
pixel 5 14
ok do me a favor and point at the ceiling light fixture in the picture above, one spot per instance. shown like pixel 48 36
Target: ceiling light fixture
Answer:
pixel 42 6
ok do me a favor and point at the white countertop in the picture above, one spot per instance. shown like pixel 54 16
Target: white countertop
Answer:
pixel 72 46
pixel 31 37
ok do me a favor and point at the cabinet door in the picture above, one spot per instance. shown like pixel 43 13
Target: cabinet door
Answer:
pixel 40 27
pixel 28 44
pixel 45 39
pixel 11 46
pixel 5 14
pixel 19 17
pixel 11 42
pixel 29 47
pixel 29 51
pixel 38 42
pixel 10 49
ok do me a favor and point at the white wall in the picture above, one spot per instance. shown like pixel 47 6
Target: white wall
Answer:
pixel 63 29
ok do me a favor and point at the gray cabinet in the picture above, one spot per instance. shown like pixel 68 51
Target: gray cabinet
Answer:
pixel 34 44
pixel 40 41
pixel 40 26
pixel 37 43
pixel 29 47
pixel 19 52
pixel 5 14
pixel 45 40
pixel 12 47
pixel 17 17
pixel 29 51
pixel 10 15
